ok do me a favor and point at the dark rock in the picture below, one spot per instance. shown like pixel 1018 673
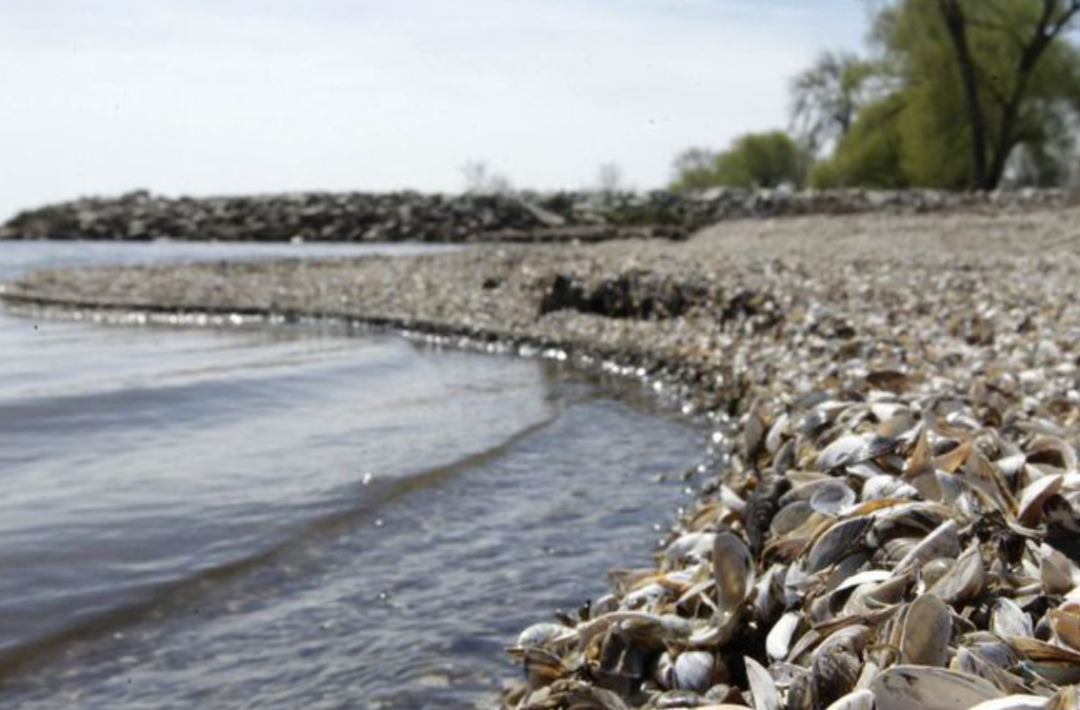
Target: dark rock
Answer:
pixel 637 295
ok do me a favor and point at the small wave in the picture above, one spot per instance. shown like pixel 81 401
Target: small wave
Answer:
pixel 176 596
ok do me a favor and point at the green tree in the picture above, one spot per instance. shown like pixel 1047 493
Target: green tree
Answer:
pixel 995 93
pixel 973 90
pixel 870 155
pixel 754 160
pixel 694 169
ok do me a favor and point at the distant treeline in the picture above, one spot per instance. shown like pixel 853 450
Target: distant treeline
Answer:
pixel 951 94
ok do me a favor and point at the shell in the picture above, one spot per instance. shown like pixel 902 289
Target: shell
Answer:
pixel 836 673
pixel 1065 699
pixel 927 632
pixel 1065 621
pixel 1052 663
pixel 1014 702
pixel 887 487
pixel 832 498
pixel 544 635
pixel 837 542
pixel 855 700
pixel 944 541
pixel 964 580
pixel 909 687
pixel 691 547
pixel 853 449
pixel 1007 620
pixel 733 571
pixel 693 670
pixel 762 686
pixel 1035 495
pixel 778 642
pixel 1059 575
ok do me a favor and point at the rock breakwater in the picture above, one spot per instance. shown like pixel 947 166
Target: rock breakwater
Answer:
pixel 562 216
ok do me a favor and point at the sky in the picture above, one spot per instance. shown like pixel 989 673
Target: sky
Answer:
pixel 207 97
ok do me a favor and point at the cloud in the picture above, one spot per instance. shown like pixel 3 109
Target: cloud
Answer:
pixel 236 96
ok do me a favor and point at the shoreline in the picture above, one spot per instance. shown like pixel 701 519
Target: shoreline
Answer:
pixel 957 335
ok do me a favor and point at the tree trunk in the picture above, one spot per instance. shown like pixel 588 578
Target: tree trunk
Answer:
pixel 1045 33
pixel 955 21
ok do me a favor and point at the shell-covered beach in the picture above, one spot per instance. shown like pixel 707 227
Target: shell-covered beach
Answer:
pixel 892 521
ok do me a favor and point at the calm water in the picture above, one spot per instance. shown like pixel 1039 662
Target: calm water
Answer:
pixel 292 517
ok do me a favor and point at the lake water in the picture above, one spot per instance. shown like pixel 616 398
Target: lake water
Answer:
pixel 298 516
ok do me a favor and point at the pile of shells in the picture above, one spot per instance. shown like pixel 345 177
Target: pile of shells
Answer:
pixel 869 548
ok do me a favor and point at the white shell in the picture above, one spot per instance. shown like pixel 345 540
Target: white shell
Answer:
pixel 1034 495
pixel 778 642
pixel 1007 620
pixel 1014 702
pixel 855 700
pixel 762 686
pixel 693 671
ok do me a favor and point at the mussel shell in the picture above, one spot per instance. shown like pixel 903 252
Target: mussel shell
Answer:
pixel 1007 620
pixel 927 632
pixel 855 700
pixel 964 580
pixel 762 686
pixel 909 687
pixel 853 449
pixel 838 541
pixel 693 670
pixel 778 641
pixel 836 674
pixel 832 498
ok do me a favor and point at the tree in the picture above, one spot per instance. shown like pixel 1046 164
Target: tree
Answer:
pixel 694 169
pixel 481 180
pixel 826 98
pixel 609 178
pixel 871 154
pixel 762 160
pixel 990 147
pixel 1008 79
pixel 754 160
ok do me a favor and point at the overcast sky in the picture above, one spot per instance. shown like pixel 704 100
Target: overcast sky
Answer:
pixel 233 96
